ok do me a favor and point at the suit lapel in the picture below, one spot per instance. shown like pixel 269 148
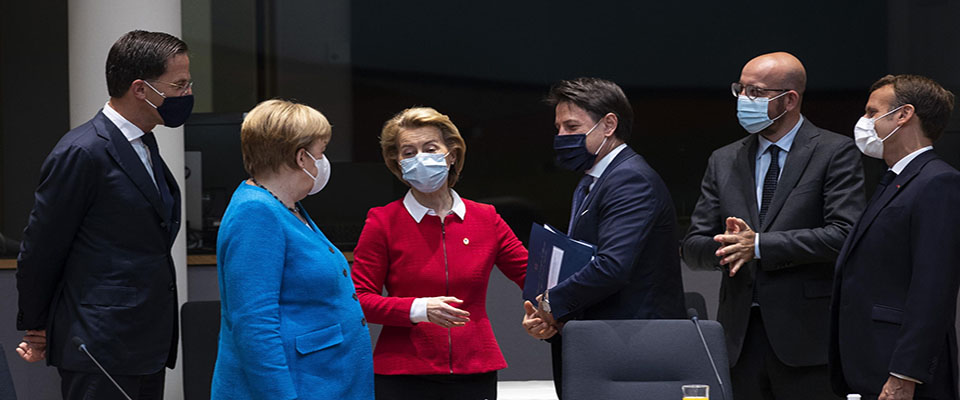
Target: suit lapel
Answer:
pixel 745 170
pixel 624 155
pixel 122 152
pixel 889 193
pixel 797 159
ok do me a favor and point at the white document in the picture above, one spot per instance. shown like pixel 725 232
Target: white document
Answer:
pixel 556 259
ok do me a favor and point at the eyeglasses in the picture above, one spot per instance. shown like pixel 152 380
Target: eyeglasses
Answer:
pixel 751 91
pixel 182 88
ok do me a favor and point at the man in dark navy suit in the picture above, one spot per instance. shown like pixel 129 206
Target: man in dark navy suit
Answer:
pixel 893 316
pixel 620 205
pixel 95 259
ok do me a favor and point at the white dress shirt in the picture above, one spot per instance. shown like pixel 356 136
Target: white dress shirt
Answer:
pixel 134 135
pixel 898 168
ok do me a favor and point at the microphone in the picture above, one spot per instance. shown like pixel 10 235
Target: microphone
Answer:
pixel 692 314
pixel 83 348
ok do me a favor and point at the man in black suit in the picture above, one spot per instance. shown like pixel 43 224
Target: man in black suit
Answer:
pixel 895 292
pixel 774 210
pixel 622 206
pixel 95 259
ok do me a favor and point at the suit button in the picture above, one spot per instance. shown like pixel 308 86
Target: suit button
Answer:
pixel 355 297
pixel 163 225
pixel 363 321
pixel 173 287
pixel 344 272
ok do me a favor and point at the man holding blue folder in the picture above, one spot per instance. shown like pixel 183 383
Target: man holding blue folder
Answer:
pixel 622 207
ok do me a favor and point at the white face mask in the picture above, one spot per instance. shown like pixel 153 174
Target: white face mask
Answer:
pixel 753 114
pixel 323 173
pixel 866 137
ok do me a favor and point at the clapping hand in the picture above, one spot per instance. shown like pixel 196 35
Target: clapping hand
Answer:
pixel 736 244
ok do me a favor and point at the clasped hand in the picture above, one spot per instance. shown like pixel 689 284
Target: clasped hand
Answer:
pixel 736 244
pixel 538 323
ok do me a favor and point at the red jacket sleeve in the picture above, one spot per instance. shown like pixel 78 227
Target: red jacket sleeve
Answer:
pixel 512 257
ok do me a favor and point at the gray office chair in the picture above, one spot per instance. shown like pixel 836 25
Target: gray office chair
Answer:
pixel 7 391
pixel 641 359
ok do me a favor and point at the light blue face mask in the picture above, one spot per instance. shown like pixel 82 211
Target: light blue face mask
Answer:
pixel 426 172
pixel 753 113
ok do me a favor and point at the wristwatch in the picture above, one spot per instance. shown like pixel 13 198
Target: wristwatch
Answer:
pixel 545 302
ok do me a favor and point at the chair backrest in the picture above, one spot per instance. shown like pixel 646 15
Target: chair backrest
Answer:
pixel 696 301
pixel 7 391
pixel 641 359
pixel 200 327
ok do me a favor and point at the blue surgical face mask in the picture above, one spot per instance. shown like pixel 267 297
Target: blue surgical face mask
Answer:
pixel 754 113
pixel 572 153
pixel 426 172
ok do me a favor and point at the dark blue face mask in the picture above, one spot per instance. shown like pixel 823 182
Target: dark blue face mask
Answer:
pixel 174 110
pixel 572 153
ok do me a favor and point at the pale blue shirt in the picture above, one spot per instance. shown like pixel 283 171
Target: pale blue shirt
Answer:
pixel 602 165
pixel 763 163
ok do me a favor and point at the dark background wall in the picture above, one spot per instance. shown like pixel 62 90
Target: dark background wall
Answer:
pixel 487 65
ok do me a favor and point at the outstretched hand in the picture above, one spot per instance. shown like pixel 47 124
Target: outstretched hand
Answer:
pixel 441 312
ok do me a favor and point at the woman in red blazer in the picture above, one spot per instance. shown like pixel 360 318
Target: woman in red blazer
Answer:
pixel 433 252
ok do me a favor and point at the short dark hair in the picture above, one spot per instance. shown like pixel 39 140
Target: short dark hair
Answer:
pixel 597 97
pixel 931 102
pixel 139 55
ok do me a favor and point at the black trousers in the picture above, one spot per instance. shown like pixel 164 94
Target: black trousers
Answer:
pixel 760 375
pixel 436 387
pixel 88 386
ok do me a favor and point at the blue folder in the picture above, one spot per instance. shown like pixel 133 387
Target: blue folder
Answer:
pixel 548 246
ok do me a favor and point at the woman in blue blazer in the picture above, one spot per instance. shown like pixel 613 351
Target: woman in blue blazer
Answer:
pixel 291 326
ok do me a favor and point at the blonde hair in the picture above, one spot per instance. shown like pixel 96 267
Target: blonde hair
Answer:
pixel 418 117
pixel 274 130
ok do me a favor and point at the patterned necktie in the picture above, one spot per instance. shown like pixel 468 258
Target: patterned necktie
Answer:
pixel 770 181
pixel 165 195
pixel 578 196
pixel 769 188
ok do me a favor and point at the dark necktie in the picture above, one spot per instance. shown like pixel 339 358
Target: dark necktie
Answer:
pixel 885 180
pixel 158 174
pixel 578 196
pixel 769 188
pixel 770 181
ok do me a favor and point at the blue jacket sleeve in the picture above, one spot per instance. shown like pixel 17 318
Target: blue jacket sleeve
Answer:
pixel 66 190
pixel 252 260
